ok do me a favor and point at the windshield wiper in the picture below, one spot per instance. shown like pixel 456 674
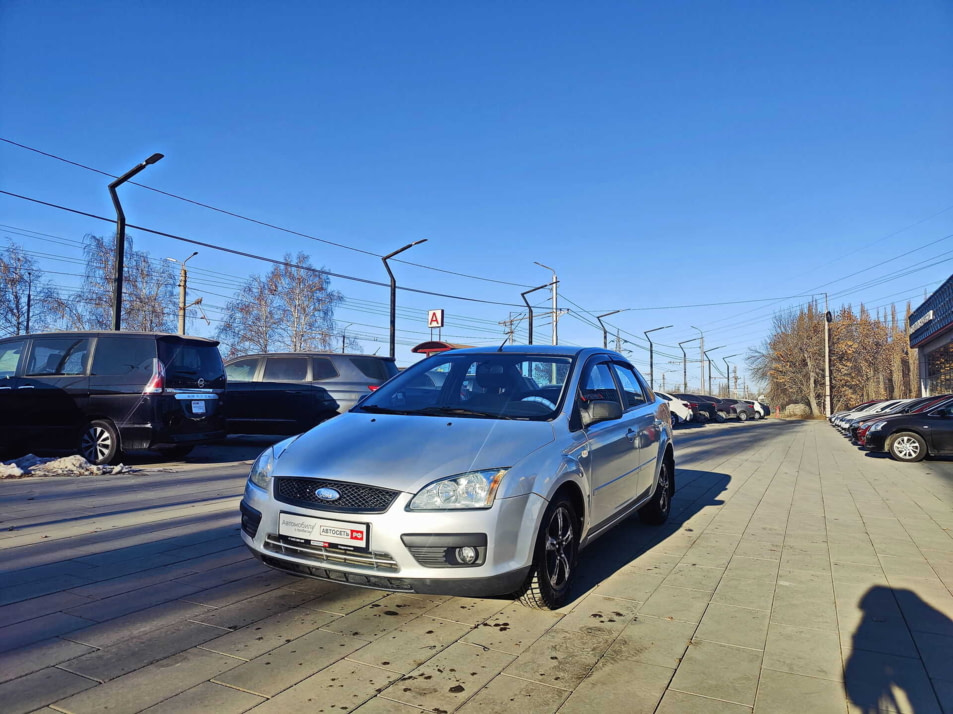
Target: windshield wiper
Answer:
pixel 459 411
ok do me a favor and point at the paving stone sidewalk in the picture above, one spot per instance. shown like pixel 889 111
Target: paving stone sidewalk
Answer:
pixel 797 574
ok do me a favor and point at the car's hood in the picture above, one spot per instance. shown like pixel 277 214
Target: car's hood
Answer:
pixel 408 452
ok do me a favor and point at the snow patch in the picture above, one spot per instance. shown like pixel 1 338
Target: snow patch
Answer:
pixel 30 466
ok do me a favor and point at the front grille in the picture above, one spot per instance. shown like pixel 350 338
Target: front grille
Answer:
pixel 355 497
pixel 374 560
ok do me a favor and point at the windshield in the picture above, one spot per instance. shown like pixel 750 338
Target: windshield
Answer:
pixel 494 385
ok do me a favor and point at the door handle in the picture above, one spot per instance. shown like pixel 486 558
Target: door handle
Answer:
pixel 630 434
pixel 6 387
pixel 658 422
pixel 29 386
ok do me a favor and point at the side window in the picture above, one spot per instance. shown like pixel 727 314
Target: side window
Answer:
pixel 56 356
pixel 118 356
pixel 242 370
pixel 286 369
pixel 10 357
pixel 631 387
pixel 597 383
pixel 323 368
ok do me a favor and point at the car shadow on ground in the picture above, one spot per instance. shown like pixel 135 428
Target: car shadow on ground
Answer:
pixel 876 681
pixel 624 543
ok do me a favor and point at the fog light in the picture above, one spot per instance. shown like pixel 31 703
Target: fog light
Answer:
pixel 467 555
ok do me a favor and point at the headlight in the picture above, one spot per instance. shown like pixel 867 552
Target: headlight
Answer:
pixel 260 473
pixel 474 489
pixel 877 426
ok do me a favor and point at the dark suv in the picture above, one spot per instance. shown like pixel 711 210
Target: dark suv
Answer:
pixel 104 392
pixel 290 392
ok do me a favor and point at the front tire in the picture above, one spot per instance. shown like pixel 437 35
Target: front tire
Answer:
pixel 721 417
pixel 99 443
pixel 554 560
pixel 656 511
pixel 906 446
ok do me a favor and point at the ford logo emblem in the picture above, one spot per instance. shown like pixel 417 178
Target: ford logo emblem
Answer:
pixel 327 494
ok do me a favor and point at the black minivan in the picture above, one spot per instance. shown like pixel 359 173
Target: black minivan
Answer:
pixel 105 392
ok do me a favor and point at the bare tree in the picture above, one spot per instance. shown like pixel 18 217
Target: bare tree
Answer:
pixel 289 309
pixel 149 300
pixel 24 293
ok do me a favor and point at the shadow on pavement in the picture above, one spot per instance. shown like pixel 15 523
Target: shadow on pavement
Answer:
pixel 694 490
pixel 876 681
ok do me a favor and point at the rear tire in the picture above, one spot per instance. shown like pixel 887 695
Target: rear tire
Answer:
pixel 99 443
pixel 907 447
pixel 742 416
pixel 721 417
pixel 554 560
pixel 656 511
pixel 757 415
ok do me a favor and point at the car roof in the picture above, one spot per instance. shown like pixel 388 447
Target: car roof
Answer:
pixel 547 350
pixel 114 333
pixel 308 354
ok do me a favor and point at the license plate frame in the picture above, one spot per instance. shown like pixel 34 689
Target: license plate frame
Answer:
pixel 326 532
pixel 198 407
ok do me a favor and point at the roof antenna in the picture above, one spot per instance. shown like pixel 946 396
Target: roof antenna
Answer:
pixel 504 343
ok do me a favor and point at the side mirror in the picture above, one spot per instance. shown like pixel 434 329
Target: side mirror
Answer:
pixel 600 410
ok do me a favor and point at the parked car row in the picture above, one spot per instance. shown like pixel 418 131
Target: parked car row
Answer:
pixel 103 393
pixel 907 429
pixel 701 409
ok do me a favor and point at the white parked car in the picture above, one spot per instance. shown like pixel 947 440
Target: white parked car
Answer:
pixel 681 410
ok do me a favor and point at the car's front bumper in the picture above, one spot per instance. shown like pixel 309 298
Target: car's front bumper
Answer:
pixel 875 441
pixel 507 530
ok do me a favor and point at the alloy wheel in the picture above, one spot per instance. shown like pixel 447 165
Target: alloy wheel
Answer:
pixel 559 548
pixel 664 485
pixel 97 443
pixel 906 447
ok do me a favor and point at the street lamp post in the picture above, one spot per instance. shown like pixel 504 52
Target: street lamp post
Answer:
pixel 530 308
pixel 393 295
pixel 709 364
pixel 555 310
pixel 605 334
pixel 652 353
pixel 183 281
pixel 344 336
pixel 121 237
pixel 685 365
pixel 29 299
pixel 701 356
pixel 728 371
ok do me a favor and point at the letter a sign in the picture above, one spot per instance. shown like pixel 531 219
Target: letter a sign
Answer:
pixel 434 319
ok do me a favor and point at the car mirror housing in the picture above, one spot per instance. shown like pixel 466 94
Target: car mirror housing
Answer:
pixel 600 410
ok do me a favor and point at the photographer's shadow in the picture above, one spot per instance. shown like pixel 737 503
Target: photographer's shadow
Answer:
pixel 875 681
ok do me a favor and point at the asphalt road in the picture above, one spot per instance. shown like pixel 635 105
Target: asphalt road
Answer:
pixel 795 574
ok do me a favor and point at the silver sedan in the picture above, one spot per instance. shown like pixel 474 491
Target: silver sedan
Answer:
pixel 475 472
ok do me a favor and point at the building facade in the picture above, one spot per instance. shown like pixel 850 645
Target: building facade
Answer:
pixel 931 334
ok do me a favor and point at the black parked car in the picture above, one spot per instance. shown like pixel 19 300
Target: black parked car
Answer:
pixel 707 409
pixel 291 392
pixel 911 437
pixel 105 392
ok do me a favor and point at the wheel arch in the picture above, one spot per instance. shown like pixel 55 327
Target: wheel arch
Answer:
pixel 571 490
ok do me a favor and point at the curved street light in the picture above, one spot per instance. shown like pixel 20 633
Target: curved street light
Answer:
pixel 120 250
pixel 728 370
pixel 652 353
pixel 685 364
pixel 720 347
pixel 393 294
pixel 605 334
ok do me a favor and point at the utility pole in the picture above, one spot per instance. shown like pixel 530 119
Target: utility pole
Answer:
pixel 509 326
pixel 183 282
pixel 29 299
pixel 827 358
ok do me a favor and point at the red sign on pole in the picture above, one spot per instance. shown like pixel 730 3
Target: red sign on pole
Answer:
pixel 434 319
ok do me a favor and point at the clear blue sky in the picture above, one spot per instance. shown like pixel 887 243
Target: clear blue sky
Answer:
pixel 655 155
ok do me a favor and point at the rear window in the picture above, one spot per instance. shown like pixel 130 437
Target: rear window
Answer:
pixel 120 356
pixel 373 368
pixel 323 369
pixel 192 359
